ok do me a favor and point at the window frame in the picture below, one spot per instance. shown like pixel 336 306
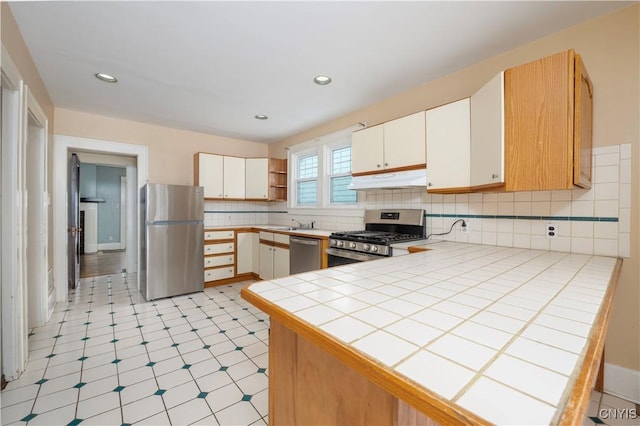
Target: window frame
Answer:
pixel 323 147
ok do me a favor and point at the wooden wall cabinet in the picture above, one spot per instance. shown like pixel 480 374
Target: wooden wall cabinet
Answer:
pixel 277 179
pixel 548 124
pixel 396 145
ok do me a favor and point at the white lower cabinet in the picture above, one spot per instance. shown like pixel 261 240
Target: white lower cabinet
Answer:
pixel 274 259
pixel 247 253
pixel 218 273
pixel 219 256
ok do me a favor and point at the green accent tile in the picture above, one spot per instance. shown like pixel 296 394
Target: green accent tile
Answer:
pixel 125 424
pixel 50 356
pixel 223 368
pixel 251 332
pixel 222 331
pixel 82 358
pixel 87 323
pixel 150 364
pixel 118 389
pixel 202 395
pixel 260 320
pixel 139 326
pixel 88 312
pixel 115 361
pixel 166 328
pixel 79 385
pixel 144 342
pixel 160 392
pixel 597 420
pixel 42 381
pixel 111 313
pixel 234 319
pixel 58 336
pixel 113 325
pixel 186 366
pixel 198 306
pixel 245 309
pixel 238 348
pixel 28 417
pixel 175 345
pixel 206 346
pixel 159 315
pixel 608 219
pixel 113 341
pixel 86 338
pixel 193 330
pixel 184 316
pixel 261 370
pixel 135 313
pixel 209 318
pixel 246 397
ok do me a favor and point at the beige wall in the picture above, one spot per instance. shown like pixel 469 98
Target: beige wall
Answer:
pixel 13 42
pixel 170 150
pixel 610 47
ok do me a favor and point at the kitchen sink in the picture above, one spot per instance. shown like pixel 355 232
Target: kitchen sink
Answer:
pixel 284 228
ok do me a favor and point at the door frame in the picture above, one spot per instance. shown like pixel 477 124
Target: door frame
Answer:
pixel 63 145
pixel 36 271
pixel 14 324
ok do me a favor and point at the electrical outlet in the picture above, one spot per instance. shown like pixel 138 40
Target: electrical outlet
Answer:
pixel 465 226
pixel 551 230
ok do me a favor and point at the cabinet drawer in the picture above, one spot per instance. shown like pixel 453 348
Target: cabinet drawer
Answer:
pixel 218 235
pixel 213 261
pixel 281 238
pixel 218 248
pixel 218 273
pixel 268 236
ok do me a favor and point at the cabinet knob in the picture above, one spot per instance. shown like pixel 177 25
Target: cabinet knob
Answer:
pixel 386 164
pixel 377 165
pixel 494 176
pixel 429 184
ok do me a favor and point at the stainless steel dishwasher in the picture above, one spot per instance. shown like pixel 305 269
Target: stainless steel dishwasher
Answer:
pixel 304 254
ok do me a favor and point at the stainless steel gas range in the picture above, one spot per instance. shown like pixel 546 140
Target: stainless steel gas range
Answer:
pixel 382 228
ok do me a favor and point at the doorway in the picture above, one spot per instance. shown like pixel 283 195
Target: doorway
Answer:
pixel 63 147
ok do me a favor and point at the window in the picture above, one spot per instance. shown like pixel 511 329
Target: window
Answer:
pixel 307 182
pixel 340 177
pixel 320 172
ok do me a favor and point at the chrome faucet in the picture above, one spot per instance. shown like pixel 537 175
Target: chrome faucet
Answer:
pixel 304 225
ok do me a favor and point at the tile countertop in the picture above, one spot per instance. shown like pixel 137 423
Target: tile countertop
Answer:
pixel 506 334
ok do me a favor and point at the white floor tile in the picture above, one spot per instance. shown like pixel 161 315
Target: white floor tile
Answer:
pixel 141 409
pixel 242 413
pixel 109 418
pixel 98 405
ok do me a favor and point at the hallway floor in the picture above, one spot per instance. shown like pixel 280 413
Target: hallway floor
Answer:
pixel 109 358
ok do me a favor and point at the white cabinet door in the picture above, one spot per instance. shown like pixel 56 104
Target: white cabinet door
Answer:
pixel 448 146
pixel 209 174
pixel 367 150
pixel 234 178
pixel 266 262
pixel 244 252
pixel 257 178
pixel 487 133
pixel 280 262
pixel 404 141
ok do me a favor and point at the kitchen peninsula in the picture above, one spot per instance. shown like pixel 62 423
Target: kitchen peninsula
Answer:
pixel 458 334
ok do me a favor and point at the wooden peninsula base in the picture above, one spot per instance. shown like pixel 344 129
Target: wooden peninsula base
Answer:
pixel 308 386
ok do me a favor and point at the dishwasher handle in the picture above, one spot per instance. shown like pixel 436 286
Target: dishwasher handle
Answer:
pixel 305 241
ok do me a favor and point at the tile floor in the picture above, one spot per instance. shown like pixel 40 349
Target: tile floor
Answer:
pixel 109 358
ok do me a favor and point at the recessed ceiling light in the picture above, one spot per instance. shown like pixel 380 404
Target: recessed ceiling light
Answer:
pixel 107 78
pixel 322 80
pixel 261 117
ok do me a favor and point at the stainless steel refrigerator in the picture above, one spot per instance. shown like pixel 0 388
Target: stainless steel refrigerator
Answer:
pixel 172 258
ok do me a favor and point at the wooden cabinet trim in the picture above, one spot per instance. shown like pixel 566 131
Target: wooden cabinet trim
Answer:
pixel 397 169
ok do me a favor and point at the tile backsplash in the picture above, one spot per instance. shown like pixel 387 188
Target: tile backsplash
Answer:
pixel 594 221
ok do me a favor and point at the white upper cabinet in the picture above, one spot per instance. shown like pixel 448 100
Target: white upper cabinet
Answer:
pixel 487 133
pixel 208 174
pixel 448 147
pixel 367 150
pixel 257 178
pixel 234 177
pixel 392 146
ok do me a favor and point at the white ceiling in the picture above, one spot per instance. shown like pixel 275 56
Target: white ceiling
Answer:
pixel 211 66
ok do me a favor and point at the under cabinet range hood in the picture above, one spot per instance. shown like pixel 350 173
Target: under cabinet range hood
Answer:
pixel 405 179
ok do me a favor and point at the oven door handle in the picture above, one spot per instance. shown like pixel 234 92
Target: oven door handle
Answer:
pixel 361 257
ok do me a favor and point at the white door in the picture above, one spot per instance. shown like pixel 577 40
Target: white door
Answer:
pixel 266 262
pixel 404 141
pixel 367 150
pixel 280 262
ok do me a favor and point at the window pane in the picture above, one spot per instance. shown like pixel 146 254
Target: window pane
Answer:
pixel 341 160
pixel 307 192
pixel 339 191
pixel 308 167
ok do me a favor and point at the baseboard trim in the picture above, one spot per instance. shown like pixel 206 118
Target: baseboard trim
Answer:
pixel 622 382
pixel 109 246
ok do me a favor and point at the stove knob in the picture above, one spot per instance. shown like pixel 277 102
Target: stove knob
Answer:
pixel 366 247
pixel 374 248
pixel 339 243
pixel 352 245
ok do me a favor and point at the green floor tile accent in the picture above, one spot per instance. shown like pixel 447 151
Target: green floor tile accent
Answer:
pixel 113 341
pixel 239 348
pixel 42 381
pixel 28 417
pixel 597 420
pixel 82 358
pixel 75 422
pixel 150 364
pixel 175 345
pixel 193 330
pixel 118 389
pixel 115 361
pixel 86 338
pixel 223 368
pixel 144 342
pixel 57 336
pixel 261 370
pixel 50 356
pixel 79 385
pixel 206 346
pixel 186 366
pixel 202 395
pixel 246 397
pixel 160 392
